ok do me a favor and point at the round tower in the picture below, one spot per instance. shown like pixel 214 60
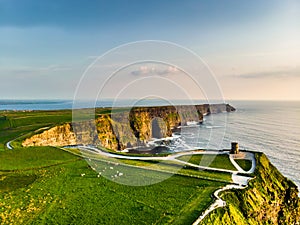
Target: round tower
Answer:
pixel 234 148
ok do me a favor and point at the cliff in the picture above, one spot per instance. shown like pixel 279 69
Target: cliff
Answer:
pixel 125 129
pixel 270 198
pixel 60 135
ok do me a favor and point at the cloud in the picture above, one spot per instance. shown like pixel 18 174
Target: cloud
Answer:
pixel 34 70
pixel 154 71
pixel 55 68
pixel 279 74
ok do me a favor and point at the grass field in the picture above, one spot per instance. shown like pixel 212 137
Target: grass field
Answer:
pixel 168 166
pixel 33 158
pixel 244 164
pixel 44 185
pixel 55 192
pixel 215 161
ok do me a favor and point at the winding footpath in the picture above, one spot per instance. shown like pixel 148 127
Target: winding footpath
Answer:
pixel 240 180
pixel 8 145
pixel 172 157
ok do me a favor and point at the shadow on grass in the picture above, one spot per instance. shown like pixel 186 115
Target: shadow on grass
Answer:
pixel 12 181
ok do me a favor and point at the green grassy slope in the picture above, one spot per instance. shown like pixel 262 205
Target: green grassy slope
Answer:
pixel 270 199
pixel 244 164
pixel 59 194
pixel 32 158
pixel 215 161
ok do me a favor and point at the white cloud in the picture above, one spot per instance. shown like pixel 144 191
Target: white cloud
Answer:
pixel 279 73
pixel 154 71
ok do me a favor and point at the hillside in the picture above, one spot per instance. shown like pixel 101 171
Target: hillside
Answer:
pixel 269 199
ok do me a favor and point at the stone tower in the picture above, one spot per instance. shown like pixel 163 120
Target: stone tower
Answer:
pixel 234 148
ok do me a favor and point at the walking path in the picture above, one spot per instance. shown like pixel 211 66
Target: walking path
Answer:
pixel 243 155
pixel 240 180
pixel 172 157
pixel 168 157
pixel 218 202
pixel 8 145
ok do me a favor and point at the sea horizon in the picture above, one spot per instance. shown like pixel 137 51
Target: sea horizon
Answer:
pixel 60 104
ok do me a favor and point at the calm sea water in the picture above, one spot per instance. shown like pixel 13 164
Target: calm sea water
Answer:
pixel 268 126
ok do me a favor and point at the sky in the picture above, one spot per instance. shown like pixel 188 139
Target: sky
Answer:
pixel 251 47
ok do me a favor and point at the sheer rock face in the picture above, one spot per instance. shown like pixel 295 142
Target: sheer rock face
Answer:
pixel 60 135
pixel 121 130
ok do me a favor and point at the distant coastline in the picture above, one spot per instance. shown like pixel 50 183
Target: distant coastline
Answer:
pixel 57 104
pixel 15 104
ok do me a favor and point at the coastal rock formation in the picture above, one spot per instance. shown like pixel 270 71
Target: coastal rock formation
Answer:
pixel 122 130
pixel 60 135
pixel 270 198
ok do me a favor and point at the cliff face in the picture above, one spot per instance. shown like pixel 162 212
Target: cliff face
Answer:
pixel 60 135
pixel 144 121
pixel 270 198
pixel 125 129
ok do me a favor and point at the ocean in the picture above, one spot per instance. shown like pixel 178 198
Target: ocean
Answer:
pixel 271 127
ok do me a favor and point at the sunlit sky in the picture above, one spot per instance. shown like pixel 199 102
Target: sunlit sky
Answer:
pixel 252 47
